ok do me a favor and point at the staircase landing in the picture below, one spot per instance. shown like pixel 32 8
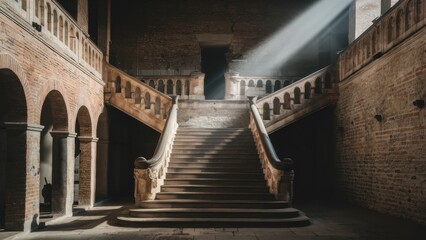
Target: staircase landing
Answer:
pixel 211 182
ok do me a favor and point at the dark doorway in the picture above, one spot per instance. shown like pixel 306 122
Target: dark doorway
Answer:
pixel 214 65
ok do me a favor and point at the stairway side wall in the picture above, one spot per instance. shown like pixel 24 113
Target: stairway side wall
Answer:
pixel 382 165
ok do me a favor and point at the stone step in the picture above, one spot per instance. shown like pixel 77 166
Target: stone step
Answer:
pixel 203 145
pixel 224 175
pixel 216 164
pixel 215 152
pixel 202 203
pixel 248 156
pixel 187 160
pixel 214 181
pixel 214 188
pixel 209 133
pixel 187 129
pixel 214 196
pixel 214 213
pixel 172 169
pixel 211 141
pixel 213 222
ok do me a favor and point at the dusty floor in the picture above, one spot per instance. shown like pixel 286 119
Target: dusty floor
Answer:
pixel 329 221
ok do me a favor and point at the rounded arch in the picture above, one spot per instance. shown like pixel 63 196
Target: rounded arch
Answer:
pixel 419 10
pixel 251 83
pixel 160 86
pixel 118 84
pixel 268 87
pixel 13 108
pixel 308 90
pixel 151 83
pixel 157 106
pixel 286 83
pixel 169 87
pixel 297 95
pixel 102 133
pixel 390 29
pixel 287 101
pixel 128 90
pixel 259 84
pixel 277 107
pixel 277 85
pixel 399 22
pixel 266 112
pixel 138 96
pixel 318 85
pixel 178 87
pixel 55 102
pixel 84 121
pixel 409 14
pixel 147 100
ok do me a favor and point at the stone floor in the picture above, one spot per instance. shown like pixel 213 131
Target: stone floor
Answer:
pixel 329 221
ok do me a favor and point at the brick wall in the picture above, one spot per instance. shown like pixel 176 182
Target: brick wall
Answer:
pixel 382 165
pixel 164 35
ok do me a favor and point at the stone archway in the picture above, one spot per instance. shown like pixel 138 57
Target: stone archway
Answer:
pixel 102 132
pixel 55 167
pixel 14 171
pixel 83 164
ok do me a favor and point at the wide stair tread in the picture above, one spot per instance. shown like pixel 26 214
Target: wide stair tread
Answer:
pixel 206 203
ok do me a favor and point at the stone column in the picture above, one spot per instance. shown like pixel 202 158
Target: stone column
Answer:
pixel 87 171
pixel 22 176
pixel 102 169
pixel 196 86
pixel 63 172
pixel 231 86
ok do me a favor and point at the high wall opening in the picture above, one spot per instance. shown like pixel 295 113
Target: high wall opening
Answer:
pixel 214 65
pixel 102 133
pixel 53 154
pixel 13 109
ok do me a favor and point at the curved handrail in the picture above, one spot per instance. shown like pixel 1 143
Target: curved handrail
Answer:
pixel 168 133
pixel 285 164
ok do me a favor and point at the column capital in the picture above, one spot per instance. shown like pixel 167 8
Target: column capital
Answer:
pixel 87 139
pixel 63 134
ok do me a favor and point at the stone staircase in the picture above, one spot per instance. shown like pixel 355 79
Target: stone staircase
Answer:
pixel 214 179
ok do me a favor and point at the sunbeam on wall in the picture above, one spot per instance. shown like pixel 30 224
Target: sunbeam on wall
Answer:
pixel 274 52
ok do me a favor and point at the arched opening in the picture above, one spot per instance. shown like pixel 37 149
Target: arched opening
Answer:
pixel 277 107
pixel 128 90
pixel 13 151
pixel 307 90
pixel 83 183
pixel 399 23
pixel 268 87
pixel 277 85
pixel 160 86
pixel 259 84
pixel 266 112
pixel 61 29
pixel 102 133
pixel 242 88
pixel 147 100
pixel 55 23
pixel 157 106
pixel 49 17
pixel 251 83
pixel 373 42
pixel 138 96
pixel 390 29
pixel 151 83
pixel 287 101
pixel 179 87
pixel 328 83
pixel 169 87
pixel 39 11
pixel 409 10
pixel 66 34
pixel 118 84
pixel 54 190
pixel 297 95
pixel 318 86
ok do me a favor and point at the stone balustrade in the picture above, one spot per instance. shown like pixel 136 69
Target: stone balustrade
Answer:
pixel 136 98
pixel 62 31
pixel 311 93
pixel 239 87
pixel 401 21
pixel 186 87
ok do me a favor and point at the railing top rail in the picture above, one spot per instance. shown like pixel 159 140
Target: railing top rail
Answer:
pixel 286 163
pixel 143 163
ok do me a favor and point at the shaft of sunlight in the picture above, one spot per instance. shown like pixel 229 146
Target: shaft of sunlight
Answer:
pixel 280 47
